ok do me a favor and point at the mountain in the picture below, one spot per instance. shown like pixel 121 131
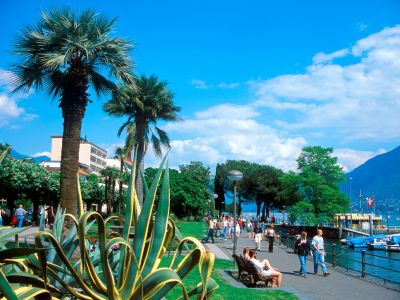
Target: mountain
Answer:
pixel 37 159
pixel 379 176
pixel 18 155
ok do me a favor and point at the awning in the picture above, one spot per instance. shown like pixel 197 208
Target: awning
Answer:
pixel 83 172
pixel 358 217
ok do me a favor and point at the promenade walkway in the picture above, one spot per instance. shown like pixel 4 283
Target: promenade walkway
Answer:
pixel 336 286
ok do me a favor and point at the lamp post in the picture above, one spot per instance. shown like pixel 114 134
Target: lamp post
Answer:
pixel 234 176
pixel 215 197
pixel 209 207
pixel 351 204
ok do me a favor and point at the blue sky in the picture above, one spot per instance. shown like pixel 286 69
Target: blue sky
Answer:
pixel 256 80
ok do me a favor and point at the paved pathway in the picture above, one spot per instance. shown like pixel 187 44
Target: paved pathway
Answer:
pixel 336 286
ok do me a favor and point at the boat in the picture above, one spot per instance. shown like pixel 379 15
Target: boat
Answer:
pixel 393 245
pixel 377 242
pixel 358 242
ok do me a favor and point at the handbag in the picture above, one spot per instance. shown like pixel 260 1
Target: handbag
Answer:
pixel 14 220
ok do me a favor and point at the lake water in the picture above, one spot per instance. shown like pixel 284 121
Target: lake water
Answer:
pixel 379 263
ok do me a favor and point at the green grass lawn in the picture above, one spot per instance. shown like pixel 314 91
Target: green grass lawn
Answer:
pixel 195 229
pixel 225 290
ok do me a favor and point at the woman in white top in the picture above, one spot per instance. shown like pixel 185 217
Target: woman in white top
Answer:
pixel 249 229
pixel 231 228
pixel 237 229
pixel 265 268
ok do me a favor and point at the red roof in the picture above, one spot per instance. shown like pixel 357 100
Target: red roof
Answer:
pixel 83 172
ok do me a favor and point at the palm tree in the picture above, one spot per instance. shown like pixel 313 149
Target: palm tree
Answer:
pixel 64 55
pixel 144 107
pixel 110 175
pixel 120 153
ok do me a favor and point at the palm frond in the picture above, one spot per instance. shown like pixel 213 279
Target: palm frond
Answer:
pixel 62 36
pixel 101 84
pixel 156 145
pixel 164 138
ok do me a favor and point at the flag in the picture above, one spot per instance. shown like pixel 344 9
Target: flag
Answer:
pixel 371 201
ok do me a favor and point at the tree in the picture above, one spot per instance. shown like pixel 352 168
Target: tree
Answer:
pixel 320 177
pixel 91 190
pixel 120 154
pixel 110 175
pixel 144 107
pixel 26 179
pixel 64 55
pixel 188 196
pixel 219 188
pixel 197 171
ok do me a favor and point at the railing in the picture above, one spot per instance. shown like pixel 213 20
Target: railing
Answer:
pixel 358 262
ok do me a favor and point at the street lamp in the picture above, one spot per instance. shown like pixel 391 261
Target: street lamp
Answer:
pixel 209 207
pixel 215 197
pixel 234 176
pixel 351 205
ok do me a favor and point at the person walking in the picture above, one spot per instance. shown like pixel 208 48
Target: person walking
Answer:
pixel 2 212
pixel 319 253
pixel 210 233
pixel 303 249
pixel 222 227
pixel 231 228
pixel 225 226
pixel 238 230
pixel 270 233
pixel 20 214
pixel 258 233
pixel 249 229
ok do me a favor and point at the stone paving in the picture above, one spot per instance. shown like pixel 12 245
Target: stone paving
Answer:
pixel 338 285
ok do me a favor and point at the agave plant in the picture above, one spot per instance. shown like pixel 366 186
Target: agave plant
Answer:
pixel 131 272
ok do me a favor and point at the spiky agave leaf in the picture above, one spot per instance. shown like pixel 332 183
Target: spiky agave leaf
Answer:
pixel 132 272
pixel 4 153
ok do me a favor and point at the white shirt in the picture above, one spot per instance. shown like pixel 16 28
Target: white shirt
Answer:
pixel 318 242
pixel 225 223
pixel 258 264
pixel 20 212
pixel 237 228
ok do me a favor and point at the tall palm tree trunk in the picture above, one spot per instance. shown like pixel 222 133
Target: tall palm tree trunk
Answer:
pixel 140 160
pixel 70 161
pixel 73 105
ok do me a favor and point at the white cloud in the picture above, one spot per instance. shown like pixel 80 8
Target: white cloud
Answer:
pixel 362 26
pixel 356 101
pixel 230 132
pixel 350 158
pixel 325 58
pixel 30 117
pixel 44 153
pixel 224 85
pixel 199 84
pixel 9 108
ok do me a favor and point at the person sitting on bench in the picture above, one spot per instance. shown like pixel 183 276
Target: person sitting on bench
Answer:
pixel 265 268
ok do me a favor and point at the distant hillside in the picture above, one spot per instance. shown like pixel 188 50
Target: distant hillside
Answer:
pixel 18 155
pixel 379 176
pixel 37 159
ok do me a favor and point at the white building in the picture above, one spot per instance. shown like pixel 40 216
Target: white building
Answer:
pixel 91 157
